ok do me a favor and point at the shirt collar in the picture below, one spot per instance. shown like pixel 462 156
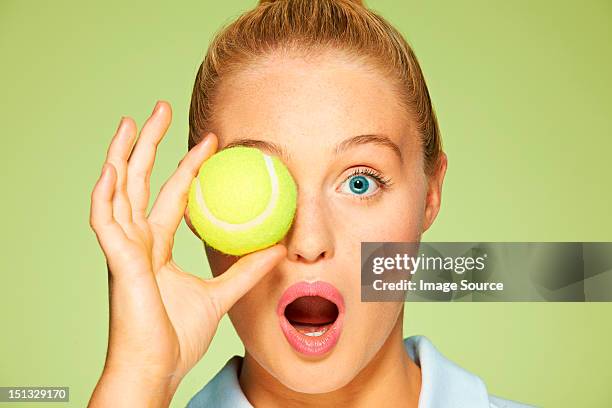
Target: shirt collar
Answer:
pixel 443 383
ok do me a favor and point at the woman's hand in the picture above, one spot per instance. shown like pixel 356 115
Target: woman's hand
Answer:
pixel 162 319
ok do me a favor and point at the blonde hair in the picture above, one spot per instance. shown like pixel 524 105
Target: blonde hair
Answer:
pixel 308 26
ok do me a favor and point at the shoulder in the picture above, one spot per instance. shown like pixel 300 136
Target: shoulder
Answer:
pixel 223 390
pixel 444 383
pixel 496 402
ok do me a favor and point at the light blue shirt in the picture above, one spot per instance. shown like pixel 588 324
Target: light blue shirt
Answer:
pixel 443 383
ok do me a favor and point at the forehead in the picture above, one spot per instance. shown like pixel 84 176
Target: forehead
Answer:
pixel 303 101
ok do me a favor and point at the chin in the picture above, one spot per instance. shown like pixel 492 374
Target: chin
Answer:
pixel 317 377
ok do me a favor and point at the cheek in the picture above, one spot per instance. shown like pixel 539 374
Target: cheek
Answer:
pixel 372 323
pixel 397 215
pixel 377 319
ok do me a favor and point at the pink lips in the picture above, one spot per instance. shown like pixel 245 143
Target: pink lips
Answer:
pixel 302 343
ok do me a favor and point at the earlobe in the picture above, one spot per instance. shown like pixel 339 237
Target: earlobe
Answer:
pixel 434 192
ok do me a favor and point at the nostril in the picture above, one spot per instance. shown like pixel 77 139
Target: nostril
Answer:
pixel 305 258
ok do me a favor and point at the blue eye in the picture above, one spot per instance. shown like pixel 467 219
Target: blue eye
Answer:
pixel 359 184
pixel 364 183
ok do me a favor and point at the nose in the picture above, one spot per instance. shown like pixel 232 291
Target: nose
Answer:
pixel 310 237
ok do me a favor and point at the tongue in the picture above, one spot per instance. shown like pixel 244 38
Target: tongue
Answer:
pixel 311 310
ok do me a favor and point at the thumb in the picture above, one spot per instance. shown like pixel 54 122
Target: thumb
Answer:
pixel 244 274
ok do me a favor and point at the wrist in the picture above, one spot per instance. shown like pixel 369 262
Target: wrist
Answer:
pixel 119 388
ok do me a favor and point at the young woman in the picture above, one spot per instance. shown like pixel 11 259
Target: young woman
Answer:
pixel 333 90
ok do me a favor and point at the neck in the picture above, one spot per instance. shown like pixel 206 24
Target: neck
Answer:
pixel 391 376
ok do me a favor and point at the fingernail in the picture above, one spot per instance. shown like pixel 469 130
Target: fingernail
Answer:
pixel 120 123
pixel 156 108
pixel 206 139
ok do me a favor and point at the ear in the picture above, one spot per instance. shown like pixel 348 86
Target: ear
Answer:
pixel 434 192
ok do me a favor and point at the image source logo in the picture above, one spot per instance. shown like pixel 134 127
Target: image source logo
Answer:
pixel 486 271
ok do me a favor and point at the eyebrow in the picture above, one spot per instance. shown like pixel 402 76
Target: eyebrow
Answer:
pixel 380 140
pixel 271 147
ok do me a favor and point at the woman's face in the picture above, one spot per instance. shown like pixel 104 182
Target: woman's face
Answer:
pixel 358 164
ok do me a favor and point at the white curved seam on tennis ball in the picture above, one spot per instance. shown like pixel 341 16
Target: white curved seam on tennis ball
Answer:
pixel 228 226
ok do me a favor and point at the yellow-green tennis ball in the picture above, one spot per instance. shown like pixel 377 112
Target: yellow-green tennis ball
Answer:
pixel 242 200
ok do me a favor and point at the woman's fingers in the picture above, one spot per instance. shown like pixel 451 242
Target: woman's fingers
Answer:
pixel 118 153
pixel 243 275
pixel 101 219
pixel 140 163
pixel 169 207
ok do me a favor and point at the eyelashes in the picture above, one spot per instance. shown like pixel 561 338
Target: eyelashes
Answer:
pixel 360 181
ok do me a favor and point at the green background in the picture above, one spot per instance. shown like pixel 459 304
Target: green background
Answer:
pixel 523 94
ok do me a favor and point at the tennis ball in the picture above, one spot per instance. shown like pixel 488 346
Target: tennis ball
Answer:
pixel 242 200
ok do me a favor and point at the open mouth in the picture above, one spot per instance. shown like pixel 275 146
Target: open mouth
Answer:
pixel 310 316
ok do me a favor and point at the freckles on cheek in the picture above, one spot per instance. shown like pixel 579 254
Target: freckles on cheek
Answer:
pixel 400 229
pixel 384 224
pixel 401 218
pixel 397 220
